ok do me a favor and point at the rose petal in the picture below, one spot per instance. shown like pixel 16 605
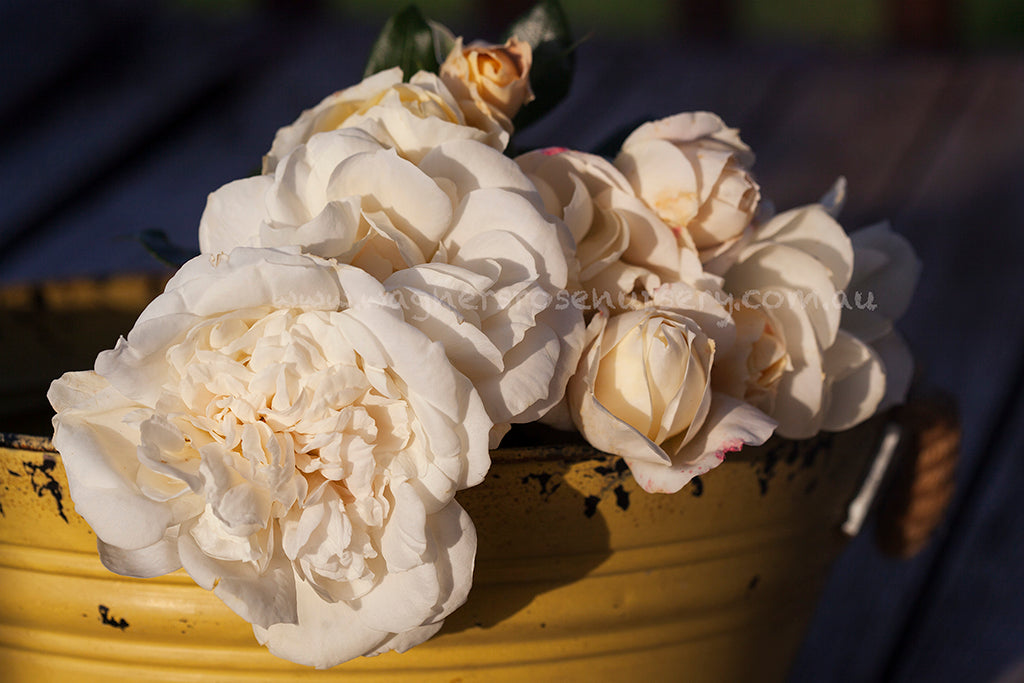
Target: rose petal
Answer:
pixel 261 598
pixel 651 243
pixel 437 393
pixel 663 176
pixel 323 116
pixel 599 426
pixel 857 383
pixel 471 165
pixel 387 183
pixel 834 200
pixel 800 399
pixel 324 634
pixel 486 214
pixel 408 599
pixel 796 281
pixel 404 541
pixel 813 231
pixel 333 233
pixel 400 642
pixel 893 277
pixel 690 126
pixel 898 362
pixel 143 563
pixel 98 450
pixel 730 425
pixel 703 306
pixel 233 215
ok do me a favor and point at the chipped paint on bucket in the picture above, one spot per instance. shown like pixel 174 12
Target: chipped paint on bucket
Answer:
pixel 580 575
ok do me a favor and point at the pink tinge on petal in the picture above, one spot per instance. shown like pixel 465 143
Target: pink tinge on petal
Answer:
pixel 689 473
pixel 730 446
pixel 552 151
pixel 731 425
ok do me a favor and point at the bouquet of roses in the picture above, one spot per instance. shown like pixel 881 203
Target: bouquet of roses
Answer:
pixel 291 420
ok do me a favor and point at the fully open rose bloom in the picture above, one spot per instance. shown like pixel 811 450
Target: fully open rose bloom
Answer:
pixel 275 429
pixel 490 82
pixel 643 390
pixel 621 245
pixel 694 172
pixel 411 117
pixel 465 219
pixel 802 369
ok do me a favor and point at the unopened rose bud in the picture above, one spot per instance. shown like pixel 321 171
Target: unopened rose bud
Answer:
pixel 643 391
pixel 490 82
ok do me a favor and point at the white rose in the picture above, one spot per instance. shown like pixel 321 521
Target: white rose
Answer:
pixel 694 172
pixel 621 245
pixel 293 443
pixel 490 82
pixel 643 391
pixel 793 275
pixel 467 214
pixel 885 274
pixel 411 117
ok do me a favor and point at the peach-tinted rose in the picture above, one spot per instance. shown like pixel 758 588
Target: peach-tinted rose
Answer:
pixel 489 81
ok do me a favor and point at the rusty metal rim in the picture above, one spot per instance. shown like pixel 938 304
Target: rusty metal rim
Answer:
pixel 575 452
pixel 570 451
pixel 25 442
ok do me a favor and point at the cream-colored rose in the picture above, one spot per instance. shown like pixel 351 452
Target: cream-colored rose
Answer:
pixel 643 391
pixel 693 171
pixel 621 245
pixel 885 273
pixel 412 117
pixel 752 368
pixel 465 218
pixel 654 372
pixel 794 273
pixel 273 426
pixel 490 82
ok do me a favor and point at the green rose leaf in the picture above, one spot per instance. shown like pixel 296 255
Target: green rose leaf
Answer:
pixel 407 40
pixel 546 29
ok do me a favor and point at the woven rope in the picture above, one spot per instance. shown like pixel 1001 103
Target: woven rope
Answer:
pixel 924 481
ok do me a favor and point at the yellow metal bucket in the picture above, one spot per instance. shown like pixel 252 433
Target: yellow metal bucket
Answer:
pixel 580 576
